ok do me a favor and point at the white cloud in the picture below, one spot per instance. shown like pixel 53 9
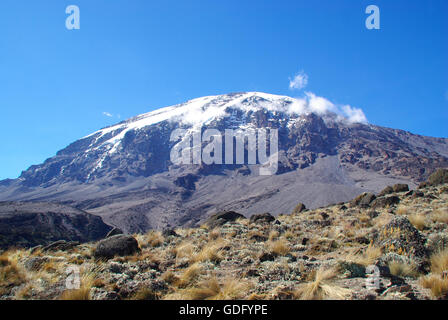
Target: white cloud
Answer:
pixel 354 114
pixel 319 105
pixel 299 106
pixel 299 81
pixel 312 103
pixel 107 114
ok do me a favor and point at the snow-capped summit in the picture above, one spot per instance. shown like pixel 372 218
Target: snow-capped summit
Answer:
pixel 326 153
pixel 200 112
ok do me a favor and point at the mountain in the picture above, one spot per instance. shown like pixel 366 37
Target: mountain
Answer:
pixel 28 224
pixel 124 174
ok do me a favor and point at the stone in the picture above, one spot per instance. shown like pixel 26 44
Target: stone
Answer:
pixel 385 202
pixel 60 245
pixel 262 218
pixel 115 231
pixel 169 233
pixel 35 263
pixel 223 217
pixel 299 208
pixel 363 199
pixel 401 237
pixel 118 245
pixel 386 191
pixel 400 187
pixel 266 256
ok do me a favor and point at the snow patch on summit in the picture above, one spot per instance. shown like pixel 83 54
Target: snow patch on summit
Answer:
pixel 201 111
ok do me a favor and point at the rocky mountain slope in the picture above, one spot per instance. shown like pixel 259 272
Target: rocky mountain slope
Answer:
pixel 392 245
pixel 123 173
pixel 28 224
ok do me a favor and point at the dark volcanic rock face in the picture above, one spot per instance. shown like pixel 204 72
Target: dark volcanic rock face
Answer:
pixel 31 224
pixel 124 172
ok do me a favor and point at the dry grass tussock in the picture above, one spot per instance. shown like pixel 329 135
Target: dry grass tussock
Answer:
pixel 439 262
pixel 368 257
pixel 87 281
pixel 213 289
pixel 436 283
pixel 401 269
pixel 419 221
pixel 321 288
pixel 279 247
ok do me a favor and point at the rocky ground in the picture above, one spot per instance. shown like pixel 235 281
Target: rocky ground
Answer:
pixel 393 245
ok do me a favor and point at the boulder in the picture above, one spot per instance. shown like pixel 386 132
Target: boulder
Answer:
pixel 169 233
pixel 367 199
pixel 223 217
pixel 385 201
pixel 299 208
pixel 386 191
pixel 34 263
pixel 115 231
pixel 401 237
pixel 118 245
pixel 400 187
pixel 60 245
pixel 262 218
pixel 364 199
pixel 266 256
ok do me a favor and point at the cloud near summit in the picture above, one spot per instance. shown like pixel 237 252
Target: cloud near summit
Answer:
pixel 320 105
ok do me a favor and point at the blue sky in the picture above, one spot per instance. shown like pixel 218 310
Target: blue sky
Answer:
pixel 130 57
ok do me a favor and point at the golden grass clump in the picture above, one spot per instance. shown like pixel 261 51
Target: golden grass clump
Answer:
pixel 210 252
pixel 146 294
pixel 11 274
pixel 440 216
pixel 170 277
pixel 153 239
pixel 439 262
pixel 213 289
pixel 83 293
pixel 418 221
pixel 402 210
pixel 189 276
pixel 321 288
pixel 87 281
pixel 184 250
pixel 401 269
pixel 214 234
pixel 437 284
pixel 273 235
pixel 279 247
pixel 368 257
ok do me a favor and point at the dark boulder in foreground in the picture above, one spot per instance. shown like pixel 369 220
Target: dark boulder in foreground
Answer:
pixel 221 218
pixel 262 218
pixel 364 199
pixel 29 224
pixel 384 202
pixel 119 245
